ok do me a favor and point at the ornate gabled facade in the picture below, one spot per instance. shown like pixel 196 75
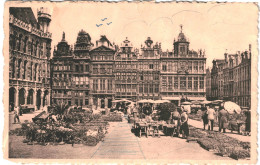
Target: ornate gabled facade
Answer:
pixel 62 72
pixel 107 72
pixel 126 72
pixel 29 55
pixel 149 71
pixel 183 72
pixel 102 82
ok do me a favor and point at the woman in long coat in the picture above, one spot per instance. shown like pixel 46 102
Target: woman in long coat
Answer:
pixel 223 119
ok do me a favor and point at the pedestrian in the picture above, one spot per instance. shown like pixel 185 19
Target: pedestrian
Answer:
pixel 223 119
pixel 248 122
pixel 176 117
pixel 184 128
pixel 16 114
pixel 211 116
pixel 205 118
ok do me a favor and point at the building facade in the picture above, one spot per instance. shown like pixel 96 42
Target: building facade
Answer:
pixel 231 78
pixel 62 72
pixel 183 72
pixel 125 71
pixel 29 56
pixel 149 71
pixel 102 78
pixel 95 76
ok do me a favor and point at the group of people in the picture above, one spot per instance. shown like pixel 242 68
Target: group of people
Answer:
pixel 221 116
pixel 180 120
pixel 210 115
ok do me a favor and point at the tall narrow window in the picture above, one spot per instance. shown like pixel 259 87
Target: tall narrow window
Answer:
pixel 201 82
pixel 189 82
pixel 195 83
pixel 25 70
pixel 176 84
pixel 183 82
pixel 14 67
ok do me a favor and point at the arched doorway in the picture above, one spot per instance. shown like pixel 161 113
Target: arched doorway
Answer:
pixel 30 97
pixel 45 98
pixel 38 99
pixel 21 96
pixel 12 93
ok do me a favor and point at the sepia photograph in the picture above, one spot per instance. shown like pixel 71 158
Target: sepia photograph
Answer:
pixel 158 82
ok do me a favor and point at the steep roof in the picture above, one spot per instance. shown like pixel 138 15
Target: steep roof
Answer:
pixel 24 14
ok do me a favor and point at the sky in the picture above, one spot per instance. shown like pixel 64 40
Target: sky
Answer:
pixel 215 27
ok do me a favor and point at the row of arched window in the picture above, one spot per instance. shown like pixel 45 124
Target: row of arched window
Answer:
pixel 22 43
pixel 22 69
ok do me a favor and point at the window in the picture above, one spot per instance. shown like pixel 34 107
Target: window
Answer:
pixel 169 67
pixel 183 82
pixel 156 77
pixel 164 83
pixel 150 66
pixel 109 84
pixel 189 82
pixel 170 83
pixel 141 77
pixel 102 69
pixel 190 66
pixel 140 89
pixel 164 67
pixel 176 84
pixel 77 68
pixel 150 88
pixel 95 85
pixel 201 82
pixel 156 89
pixel 182 49
pixel 81 68
pixel 95 68
pixel 195 83
pixel 86 101
pixel 195 66
pixel 175 64
pixel 146 88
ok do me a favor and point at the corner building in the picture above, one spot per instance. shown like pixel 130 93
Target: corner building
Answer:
pixel 29 56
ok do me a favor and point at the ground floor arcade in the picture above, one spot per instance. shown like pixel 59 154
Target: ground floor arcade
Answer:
pixel 35 98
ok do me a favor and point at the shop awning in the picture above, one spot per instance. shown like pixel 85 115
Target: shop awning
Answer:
pixel 171 98
pixel 197 98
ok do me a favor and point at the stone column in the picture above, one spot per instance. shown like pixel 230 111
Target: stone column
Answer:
pixel 25 96
pixel 98 102
pixel 42 99
pixel 106 102
pixel 90 100
pixel 35 99
pixel 16 97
